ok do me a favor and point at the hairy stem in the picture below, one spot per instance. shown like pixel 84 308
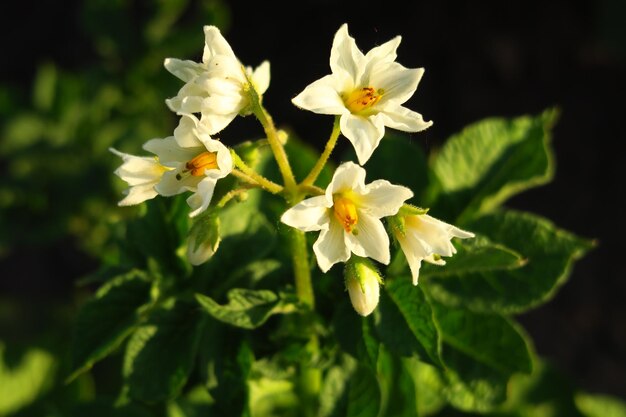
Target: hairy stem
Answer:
pixel 328 149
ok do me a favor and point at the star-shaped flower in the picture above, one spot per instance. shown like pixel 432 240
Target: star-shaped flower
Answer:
pixel 348 216
pixel 217 87
pixel 188 161
pixel 367 91
pixel 424 238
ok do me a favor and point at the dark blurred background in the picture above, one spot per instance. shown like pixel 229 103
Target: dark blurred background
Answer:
pixel 482 59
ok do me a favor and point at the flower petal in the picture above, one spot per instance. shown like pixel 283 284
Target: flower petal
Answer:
pixel 364 133
pixel 321 97
pixel 414 252
pixel 308 215
pixel 345 56
pixel 138 194
pixel 170 185
pixel 382 199
pixel 215 44
pixel 371 239
pixel 399 83
pixel 186 132
pixel 376 57
pixel 401 118
pixel 169 153
pixel 185 70
pixel 215 123
pixel 347 176
pixel 330 247
pixel 200 200
pixel 261 77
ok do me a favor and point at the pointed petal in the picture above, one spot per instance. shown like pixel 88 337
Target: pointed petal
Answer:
pixel 330 247
pixel 344 55
pixel 399 83
pixel 138 194
pixel 185 70
pixel 322 97
pixel 308 215
pixel 136 170
pixel 168 151
pixel 261 77
pixel 215 123
pixel 371 240
pixel 185 133
pixel 364 133
pixel 215 44
pixel 382 199
pixel 200 200
pixel 414 253
pixel 376 57
pixel 347 176
pixel 401 118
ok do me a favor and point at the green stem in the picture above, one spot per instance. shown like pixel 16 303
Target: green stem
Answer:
pixel 250 175
pixel 310 379
pixel 277 148
pixel 328 149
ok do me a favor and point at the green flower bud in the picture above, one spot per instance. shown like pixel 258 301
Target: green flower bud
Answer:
pixel 204 238
pixel 363 284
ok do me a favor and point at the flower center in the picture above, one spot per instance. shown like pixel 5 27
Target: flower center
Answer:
pixel 197 165
pixel 362 98
pixel 345 212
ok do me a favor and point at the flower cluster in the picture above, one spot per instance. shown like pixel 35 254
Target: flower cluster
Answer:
pixel 365 93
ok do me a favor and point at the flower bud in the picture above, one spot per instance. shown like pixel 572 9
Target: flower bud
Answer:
pixel 203 239
pixel 363 283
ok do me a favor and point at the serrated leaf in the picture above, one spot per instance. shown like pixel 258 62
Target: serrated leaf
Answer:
pixel 480 353
pixel 246 308
pixel 107 319
pixel 549 253
pixel 492 160
pixel 161 352
pixel 405 321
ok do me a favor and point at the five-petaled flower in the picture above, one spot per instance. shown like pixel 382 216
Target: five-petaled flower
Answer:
pixel 424 238
pixel 188 161
pixel 348 216
pixel 367 91
pixel 218 87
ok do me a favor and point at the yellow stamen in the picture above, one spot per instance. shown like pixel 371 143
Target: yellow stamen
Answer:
pixel 345 212
pixel 197 165
pixel 362 98
pixel 202 162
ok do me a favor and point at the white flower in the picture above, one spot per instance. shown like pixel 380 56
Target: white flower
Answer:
pixel 426 238
pixel 367 91
pixel 195 161
pixel 141 173
pixel 218 86
pixel 348 216
pixel 363 285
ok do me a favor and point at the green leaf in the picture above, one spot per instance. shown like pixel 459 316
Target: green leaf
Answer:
pixel 492 160
pixel 480 353
pixel 600 405
pixel 24 382
pixel 549 253
pixel 363 394
pixel 161 352
pixel 405 321
pixel 248 308
pixel 398 160
pixel 107 319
